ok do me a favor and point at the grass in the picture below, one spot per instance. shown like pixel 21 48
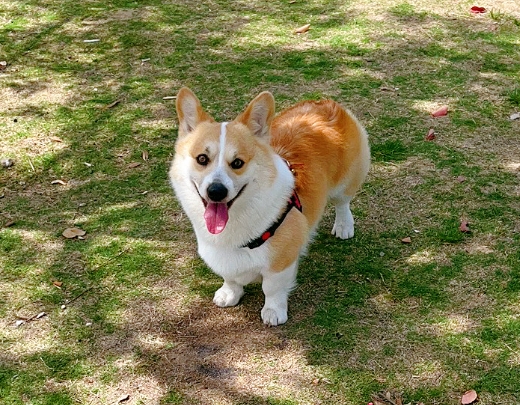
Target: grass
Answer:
pixel 128 309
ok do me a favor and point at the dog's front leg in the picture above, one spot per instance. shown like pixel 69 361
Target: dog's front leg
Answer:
pixel 276 287
pixel 229 294
pixel 232 290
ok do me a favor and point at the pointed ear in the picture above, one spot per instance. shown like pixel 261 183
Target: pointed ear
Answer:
pixel 189 111
pixel 259 114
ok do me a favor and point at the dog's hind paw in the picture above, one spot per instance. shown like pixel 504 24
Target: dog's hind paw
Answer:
pixel 343 231
pixel 274 317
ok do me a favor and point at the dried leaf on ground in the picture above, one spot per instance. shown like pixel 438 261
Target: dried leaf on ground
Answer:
pixel 469 397
pixel 58 182
pixel 3 64
pixel 71 233
pixel 386 88
pixel 406 240
pixel 440 112
pixel 145 155
pixel 514 116
pixel 302 29
pixel 123 398
pixel 133 165
pixel 477 10
pixel 464 227
pixel 461 179
pixel 9 223
pixel 387 398
pixel 56 139
pixel 57 283
pixel 113 104
pixel 430 136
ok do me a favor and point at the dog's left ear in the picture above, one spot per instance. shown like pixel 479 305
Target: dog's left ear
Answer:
pixel 259 114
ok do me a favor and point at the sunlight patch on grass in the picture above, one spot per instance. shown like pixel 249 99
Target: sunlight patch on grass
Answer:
pixel 513 167
pixel 453 324
pixel 421 257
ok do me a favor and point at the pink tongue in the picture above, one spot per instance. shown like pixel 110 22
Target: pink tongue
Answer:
pixel 216 216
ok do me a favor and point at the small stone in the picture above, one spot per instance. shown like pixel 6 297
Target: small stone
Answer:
pixel 6 162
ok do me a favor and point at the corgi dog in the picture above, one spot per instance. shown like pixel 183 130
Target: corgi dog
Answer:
pixel 256 187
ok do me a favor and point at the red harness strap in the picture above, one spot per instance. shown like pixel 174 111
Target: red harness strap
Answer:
pixel 294 201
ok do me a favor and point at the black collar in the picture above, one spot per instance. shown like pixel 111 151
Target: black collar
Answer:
pixel 294 201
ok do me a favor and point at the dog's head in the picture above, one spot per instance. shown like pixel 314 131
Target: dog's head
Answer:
pixel 221 160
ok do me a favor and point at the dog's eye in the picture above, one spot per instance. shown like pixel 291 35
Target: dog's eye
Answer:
pixel 202 159
pixel 237 164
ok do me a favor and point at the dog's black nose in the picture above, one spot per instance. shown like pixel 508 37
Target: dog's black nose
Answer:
pixel 217 192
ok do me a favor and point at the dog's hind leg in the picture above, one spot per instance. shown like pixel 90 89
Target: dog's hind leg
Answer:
pixel 344 223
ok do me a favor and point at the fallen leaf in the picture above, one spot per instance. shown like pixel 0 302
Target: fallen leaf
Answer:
pixel 406 240
pixel 302 29
pixel 133 165
pixel 19 323
pixel 464 227
pixel 430 136
pixel 58 182
pixel 113 104
pixel 440 112
pixel 57 283
pixel 514 116
pixel 123 398
pixel 9 223
pixel 56 139
pixel 145 155
pixel 477 10
pixel 169 97
pixel 469 397
pixel 461 179
pixel 41 315
pixel 71 233
pixel 87 164
pixel 3 65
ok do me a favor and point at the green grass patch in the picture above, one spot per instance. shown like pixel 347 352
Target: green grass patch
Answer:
pixel 130 304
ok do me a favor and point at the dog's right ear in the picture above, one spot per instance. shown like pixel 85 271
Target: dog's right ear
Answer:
pixel 189 111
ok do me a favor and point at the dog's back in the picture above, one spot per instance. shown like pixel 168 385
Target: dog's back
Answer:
pixel 327 149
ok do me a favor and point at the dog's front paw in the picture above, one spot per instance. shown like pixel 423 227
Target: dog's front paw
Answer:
pixel 343 230
pixel 274 316
pixel 227 297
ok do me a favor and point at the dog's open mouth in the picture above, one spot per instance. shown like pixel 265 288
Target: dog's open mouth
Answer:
pixel 216 213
